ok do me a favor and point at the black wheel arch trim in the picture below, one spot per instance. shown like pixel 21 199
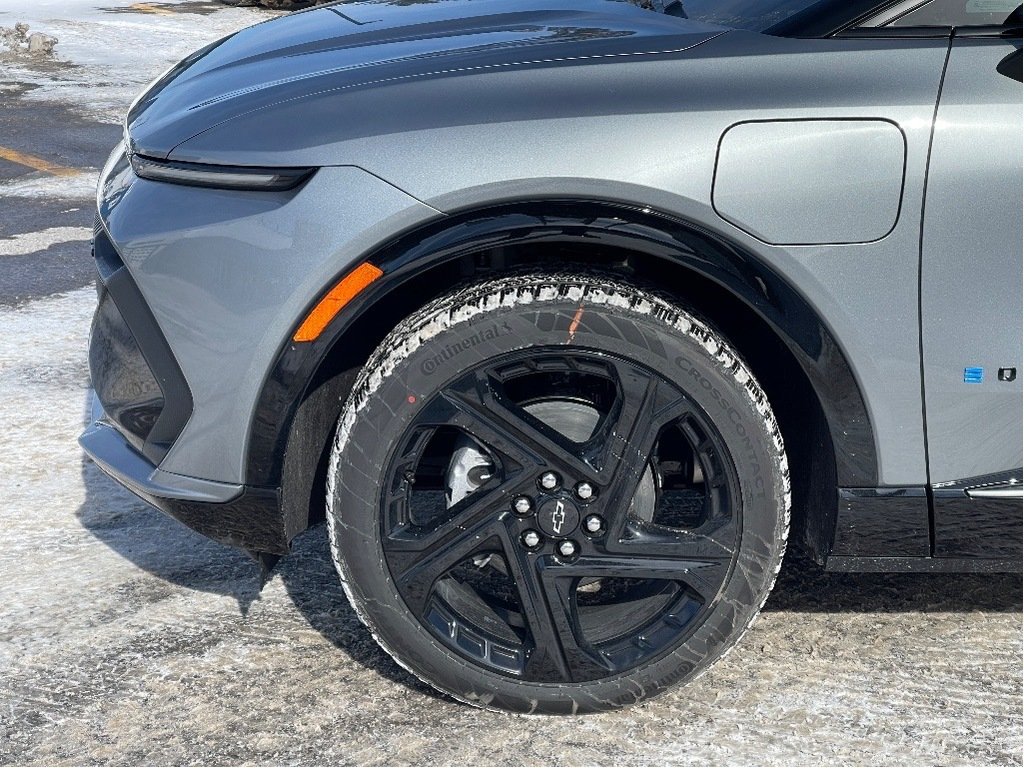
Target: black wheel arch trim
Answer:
pixel 602 223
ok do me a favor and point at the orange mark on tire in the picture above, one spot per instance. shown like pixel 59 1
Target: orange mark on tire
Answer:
pixel 574 324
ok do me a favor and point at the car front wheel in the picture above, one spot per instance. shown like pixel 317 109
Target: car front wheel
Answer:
pixel 557 494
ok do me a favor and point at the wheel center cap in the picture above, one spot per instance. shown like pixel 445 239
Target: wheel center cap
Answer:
pixel 558 517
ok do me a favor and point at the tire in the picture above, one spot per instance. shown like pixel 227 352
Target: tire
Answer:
pixel 438 484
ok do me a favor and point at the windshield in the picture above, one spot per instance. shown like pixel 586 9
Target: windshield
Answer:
pixel 756 15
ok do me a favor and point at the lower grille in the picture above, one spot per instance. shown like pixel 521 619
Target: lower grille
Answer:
pixel 134 373
pixel 124 383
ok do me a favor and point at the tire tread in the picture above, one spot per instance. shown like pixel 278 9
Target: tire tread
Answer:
pixel 593 289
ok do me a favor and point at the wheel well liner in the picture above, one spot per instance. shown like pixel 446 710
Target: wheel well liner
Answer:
pixel 734 289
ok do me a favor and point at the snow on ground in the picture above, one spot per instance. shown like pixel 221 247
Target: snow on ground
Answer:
pixel 81 186
pixel 110 49
pixel 125 638
pixel 22 244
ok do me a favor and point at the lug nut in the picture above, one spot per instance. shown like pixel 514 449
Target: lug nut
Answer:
pixel 549 481
pixel 593 523
pixel 585 491
pixel 567 549
pixel 523 505
pixel 531 539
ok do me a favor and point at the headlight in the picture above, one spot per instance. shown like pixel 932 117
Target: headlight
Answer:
pixel 219 176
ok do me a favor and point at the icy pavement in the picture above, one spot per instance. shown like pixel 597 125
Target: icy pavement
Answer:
pixel 112 48
pixel 61 114
pixel 125 638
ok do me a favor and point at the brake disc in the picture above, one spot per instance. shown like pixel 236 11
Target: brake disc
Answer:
pixel 470 467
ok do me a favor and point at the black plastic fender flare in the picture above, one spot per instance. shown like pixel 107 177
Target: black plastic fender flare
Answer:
pixel 599 223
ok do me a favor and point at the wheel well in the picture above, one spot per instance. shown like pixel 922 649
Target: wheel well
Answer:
pixel 801 418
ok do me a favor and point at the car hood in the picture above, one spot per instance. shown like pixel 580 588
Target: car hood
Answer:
pixel 339 49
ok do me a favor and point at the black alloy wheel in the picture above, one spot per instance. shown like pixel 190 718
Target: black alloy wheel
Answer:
pixel 546 487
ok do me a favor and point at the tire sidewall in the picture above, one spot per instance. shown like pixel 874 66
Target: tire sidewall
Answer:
pixel 702 366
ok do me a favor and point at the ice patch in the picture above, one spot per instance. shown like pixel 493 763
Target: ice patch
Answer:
pixel 33 242
pixel 81 186
pixel 97 39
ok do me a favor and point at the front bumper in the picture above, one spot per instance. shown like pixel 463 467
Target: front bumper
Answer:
pixel 199 290
pixel 250 518
pixel 142 402
pixel 236 515
pixel 225 276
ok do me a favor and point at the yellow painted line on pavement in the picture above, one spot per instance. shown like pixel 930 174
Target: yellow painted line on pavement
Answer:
pixel 35 162
pixel 147 8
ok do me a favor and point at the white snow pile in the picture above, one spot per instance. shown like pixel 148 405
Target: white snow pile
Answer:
pixel 18 39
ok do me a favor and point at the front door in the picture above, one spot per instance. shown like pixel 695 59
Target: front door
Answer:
pixel 971 297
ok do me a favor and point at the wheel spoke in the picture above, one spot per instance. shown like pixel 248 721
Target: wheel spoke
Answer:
pixel 625 443
pixel 418 560
pixel 704 575
pixel 507 429
pixel 699 558
pixel 547 605
pixel 712 540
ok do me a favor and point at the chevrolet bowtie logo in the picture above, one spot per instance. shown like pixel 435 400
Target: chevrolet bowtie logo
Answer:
pixel 558 517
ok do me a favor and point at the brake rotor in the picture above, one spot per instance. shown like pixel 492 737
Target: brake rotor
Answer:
pixel 470 467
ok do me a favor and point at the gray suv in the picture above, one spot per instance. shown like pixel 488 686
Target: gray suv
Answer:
pixel 567 315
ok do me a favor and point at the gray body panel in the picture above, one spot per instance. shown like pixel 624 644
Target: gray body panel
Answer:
pixel 455 106
pixel 971 267
pixel 555 130
pixel 226 276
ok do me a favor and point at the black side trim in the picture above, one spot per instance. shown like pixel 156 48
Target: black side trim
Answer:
pixel 603 224
pixel 880 529
pixel 897 33
pixel 882 522
pixel 920 565
pixel 977 526
pixel 1001 31
pixel 157 353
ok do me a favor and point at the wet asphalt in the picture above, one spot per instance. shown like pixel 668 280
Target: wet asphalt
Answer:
pixel 127 639
pixel 57 133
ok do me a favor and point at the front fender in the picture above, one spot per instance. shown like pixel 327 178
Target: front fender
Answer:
pixel 604 224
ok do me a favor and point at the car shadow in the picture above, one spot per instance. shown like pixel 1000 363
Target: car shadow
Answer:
pixel 166 549
pixel 308 576
pixel 804 587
